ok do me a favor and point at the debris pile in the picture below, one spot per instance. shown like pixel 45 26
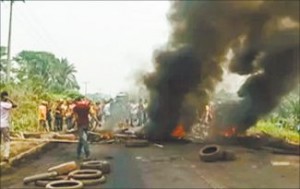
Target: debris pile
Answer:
pixel 71 174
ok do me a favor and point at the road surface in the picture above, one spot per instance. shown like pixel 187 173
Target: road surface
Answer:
pixel 174 166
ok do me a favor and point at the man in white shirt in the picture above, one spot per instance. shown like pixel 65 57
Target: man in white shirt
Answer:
pixel 6 105
pixel 106 110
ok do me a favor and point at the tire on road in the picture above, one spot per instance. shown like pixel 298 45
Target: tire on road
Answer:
pixel 211 153
pixel 65 184
pixel 44 182
pixel 137 143
pixel 33 178
pixel 89 182
pixel 85 174
pixel 102 165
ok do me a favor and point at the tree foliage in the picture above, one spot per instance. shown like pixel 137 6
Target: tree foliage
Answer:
pixel 37 76
pixel 287 114
pixel 56 75
pixel 3 54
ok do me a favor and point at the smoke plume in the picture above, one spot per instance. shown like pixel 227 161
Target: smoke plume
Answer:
pixel 264 37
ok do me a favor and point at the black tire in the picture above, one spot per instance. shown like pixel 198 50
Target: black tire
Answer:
pixel 211 153
pixel 85 174
pixel 89 182
pixel 102 165
pixel 33 178
pixel 65 184
pixel 44 182
pixel 137 143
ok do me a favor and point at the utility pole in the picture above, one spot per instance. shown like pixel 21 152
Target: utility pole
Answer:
pixel 9 43
pixel 8 69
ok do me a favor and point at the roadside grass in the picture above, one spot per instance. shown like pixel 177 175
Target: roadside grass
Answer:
pixel 279 132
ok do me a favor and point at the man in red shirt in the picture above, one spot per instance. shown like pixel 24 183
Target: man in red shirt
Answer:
pixel 82 112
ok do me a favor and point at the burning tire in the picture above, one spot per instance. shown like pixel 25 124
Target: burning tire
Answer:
pixel 85 174
pixel 65 184
pixel 89 182
pixel 44 182
pixel 211 153
pixel 101 165
pixel 137 143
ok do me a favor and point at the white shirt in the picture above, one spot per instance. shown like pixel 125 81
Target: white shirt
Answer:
pixel 106 109
pixel 4 113
pixel 134 108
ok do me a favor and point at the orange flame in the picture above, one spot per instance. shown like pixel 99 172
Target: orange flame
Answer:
pixel 179 131
pixel 229 132
pixel 107 135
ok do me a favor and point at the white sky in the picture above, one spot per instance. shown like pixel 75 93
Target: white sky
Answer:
pixel 106 41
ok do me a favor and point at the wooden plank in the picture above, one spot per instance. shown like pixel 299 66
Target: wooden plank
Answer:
pixel 44 140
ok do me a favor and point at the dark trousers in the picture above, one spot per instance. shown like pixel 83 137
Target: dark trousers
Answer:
pixel 49 122
pixel 69 122
pixel 58 123
pixel 83 142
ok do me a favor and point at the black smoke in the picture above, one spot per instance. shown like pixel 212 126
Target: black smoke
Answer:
pixel 264 37
pixel 177 74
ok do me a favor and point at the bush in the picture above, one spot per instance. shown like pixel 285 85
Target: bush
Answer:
pixel 287 113
pixel 284 121
pixel 268 127
pixel 28 97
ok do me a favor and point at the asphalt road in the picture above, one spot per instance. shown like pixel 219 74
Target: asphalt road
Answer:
pixel 174 166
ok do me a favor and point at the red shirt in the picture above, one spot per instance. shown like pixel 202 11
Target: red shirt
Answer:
pixel 82 109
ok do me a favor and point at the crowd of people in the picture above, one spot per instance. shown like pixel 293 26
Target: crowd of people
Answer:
pixel 79 114
pixel 59 115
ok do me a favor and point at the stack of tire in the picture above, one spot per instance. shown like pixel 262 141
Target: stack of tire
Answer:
pixel 87 177
pixel 68 176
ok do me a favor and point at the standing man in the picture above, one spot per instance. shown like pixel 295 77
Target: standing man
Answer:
pixel 58 116
pixel 6 104
pixel 69 114
pixel 49 117
pixel 82 111
pixel 106 111
pixel 42 113
pixel 140 112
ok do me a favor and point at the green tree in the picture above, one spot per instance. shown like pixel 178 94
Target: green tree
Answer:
pixel 63 74
pixel 37 76
pixel 34 65
pixel 54 74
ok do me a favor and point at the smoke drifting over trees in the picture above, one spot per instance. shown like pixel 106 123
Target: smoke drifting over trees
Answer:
pixel 264 37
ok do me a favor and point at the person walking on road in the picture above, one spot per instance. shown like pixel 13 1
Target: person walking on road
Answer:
pixel 82 110
pixel 6 104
